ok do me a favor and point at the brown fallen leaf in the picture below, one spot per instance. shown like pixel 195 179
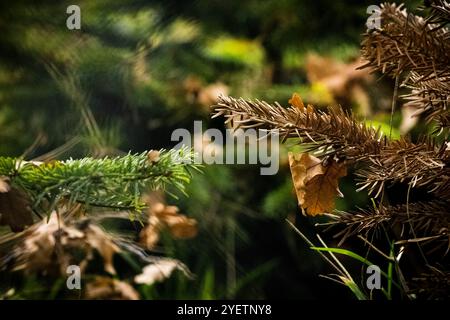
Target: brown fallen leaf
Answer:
pixel 104 288
pixel 4 184
pixel 37 252
pixel 299 164
pixel 104 245
pixel 160 217
pixel 159 271
pixel 346 83
pixel 51 245
pixel 182 227
pixel 15 207
pixel 149 235
pixel 316 185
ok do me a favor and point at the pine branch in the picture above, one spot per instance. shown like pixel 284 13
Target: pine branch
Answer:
pixel 342 136
pixel 335 131
pixel 407 43
pixel 423 222
pixel 109 182
pixel 417 49
pixel 430 97
pixel 421 164
pixel 439 13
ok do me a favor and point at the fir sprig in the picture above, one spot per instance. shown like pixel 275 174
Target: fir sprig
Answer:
pixel 339 134
pixel 418 51
pixel 116 183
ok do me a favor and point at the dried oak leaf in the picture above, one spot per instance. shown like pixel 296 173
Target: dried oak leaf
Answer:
pixel 180 226
pixel 316 185
pixel 50 246
pixel 15 207
pixel 162 216
pixel 149 235
pixel 37 251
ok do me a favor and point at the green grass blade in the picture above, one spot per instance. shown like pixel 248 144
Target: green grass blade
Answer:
pixel 354 288
pixel 356 257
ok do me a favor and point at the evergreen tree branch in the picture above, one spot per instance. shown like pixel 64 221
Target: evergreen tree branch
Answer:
pixel 339 134
pixel 420 164
pixel 109 182
pixel 428 221
pixel 335 131
pixel 419 50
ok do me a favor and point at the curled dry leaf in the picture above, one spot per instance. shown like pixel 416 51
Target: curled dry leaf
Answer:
pixel 316 185
pixel 15 207
pixel 104 288
pixel 182 227
pixel 100 241
pixel 296 101
pixel 159 271
pixel 51 246
pixel 161 217
pixel 344 81
pixel 4 184
pixel 149 235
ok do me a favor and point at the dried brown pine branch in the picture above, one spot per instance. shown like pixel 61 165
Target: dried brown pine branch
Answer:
pixel 335 131
pixel 407 42
pixel 340 134
pixel 425 222
pixel 430 97
pixel 421 164
pixel 439 12
pixel 418 49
